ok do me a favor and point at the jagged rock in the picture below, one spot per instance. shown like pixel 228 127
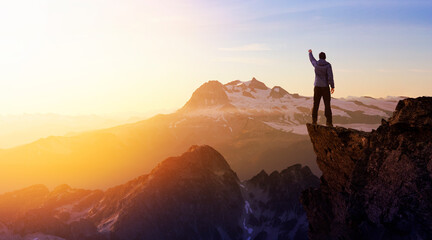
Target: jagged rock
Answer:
pixel 375 185
pixel 248 94
pixel 234 83
pixel 254 83
pixel 274 200
pixel 15 204
pixel 207 95
pixel 193 196
pixel 37 210
pixel 260 132
pixel 415 113
pixel 278 92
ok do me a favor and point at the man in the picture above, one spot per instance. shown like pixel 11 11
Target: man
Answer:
pixel 323 78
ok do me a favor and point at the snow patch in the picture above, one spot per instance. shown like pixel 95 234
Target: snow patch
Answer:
pixel 301 221
pixel 297 129
pixel 106 224
pixel 248 209
pixel 249 230
pixel 174 125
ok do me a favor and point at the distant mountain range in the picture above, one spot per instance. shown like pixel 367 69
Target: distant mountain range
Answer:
pixel 21 129
pixel 253 126
pixel 193 196
pixel 284 111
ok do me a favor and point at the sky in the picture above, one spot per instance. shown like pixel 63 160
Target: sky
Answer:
pixel 99 57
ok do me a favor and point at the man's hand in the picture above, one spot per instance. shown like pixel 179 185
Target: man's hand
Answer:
pixel 310 50
pixel 332 91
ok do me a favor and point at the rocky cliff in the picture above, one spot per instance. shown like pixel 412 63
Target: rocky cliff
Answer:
pixel 374 185
pixel 249 123
pixel 192 196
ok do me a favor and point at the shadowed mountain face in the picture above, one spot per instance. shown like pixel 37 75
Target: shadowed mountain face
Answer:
pixel 194 196
pixel 249 123
pixel 374 185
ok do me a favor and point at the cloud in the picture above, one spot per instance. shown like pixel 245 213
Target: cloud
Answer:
pixel 254 47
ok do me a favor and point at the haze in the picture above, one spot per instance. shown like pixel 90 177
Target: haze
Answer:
pixel 92 57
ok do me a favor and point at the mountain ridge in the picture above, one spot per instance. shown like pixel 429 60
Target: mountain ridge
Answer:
pixel 192 196
pixel 263 132
pixel 375 185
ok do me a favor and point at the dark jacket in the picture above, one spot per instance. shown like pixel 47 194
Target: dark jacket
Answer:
pixel 323 72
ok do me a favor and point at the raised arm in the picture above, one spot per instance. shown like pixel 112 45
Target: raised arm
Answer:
pixel 312 59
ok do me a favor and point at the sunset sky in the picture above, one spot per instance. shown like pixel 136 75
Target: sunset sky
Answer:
pixel 94 56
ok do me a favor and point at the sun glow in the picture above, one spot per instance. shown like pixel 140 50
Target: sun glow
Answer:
pixel 91 56
pixel 99 57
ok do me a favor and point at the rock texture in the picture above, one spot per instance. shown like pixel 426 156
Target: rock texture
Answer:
pixel 207 95
pixel 375 185
pixel 275 210
pixel 278 92
pixel 192 196
pixel 37 213
pixel 250 125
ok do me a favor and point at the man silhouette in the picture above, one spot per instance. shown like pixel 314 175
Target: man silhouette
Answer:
pixel 323 78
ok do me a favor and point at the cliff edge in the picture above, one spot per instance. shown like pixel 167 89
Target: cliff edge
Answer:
pixel 374 185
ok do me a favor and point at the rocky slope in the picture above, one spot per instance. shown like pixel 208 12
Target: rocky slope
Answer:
pixel 275 212
pixel 193 196
pixel 375 185
pixel 249 123
pixel 37 213
pixel 282 110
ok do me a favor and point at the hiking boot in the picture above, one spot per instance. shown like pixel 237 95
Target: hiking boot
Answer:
pixel 329 124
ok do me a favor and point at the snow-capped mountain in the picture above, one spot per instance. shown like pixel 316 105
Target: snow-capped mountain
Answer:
pixel 281 110
pixel 193 196
pixel 253 126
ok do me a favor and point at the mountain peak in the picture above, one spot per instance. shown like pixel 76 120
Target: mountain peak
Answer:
pixel 255 84
pixel 293 175
pixel 199 184
pixel 278 92
pixel 192 196
pixel 210 94
pixel 196 161
pixel 193 148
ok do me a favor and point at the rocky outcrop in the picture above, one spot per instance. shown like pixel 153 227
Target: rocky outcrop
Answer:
pixel 248 94
pixel 255 84
pixel 259 132
pixel 276 212
pixel 192 196
pixel 278 92
pixel 15 204
pixel 54 214
pixel 198 196
pixel 374 185
pixel 210 94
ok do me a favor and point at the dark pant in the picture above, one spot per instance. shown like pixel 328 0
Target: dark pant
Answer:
pixel 323 92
